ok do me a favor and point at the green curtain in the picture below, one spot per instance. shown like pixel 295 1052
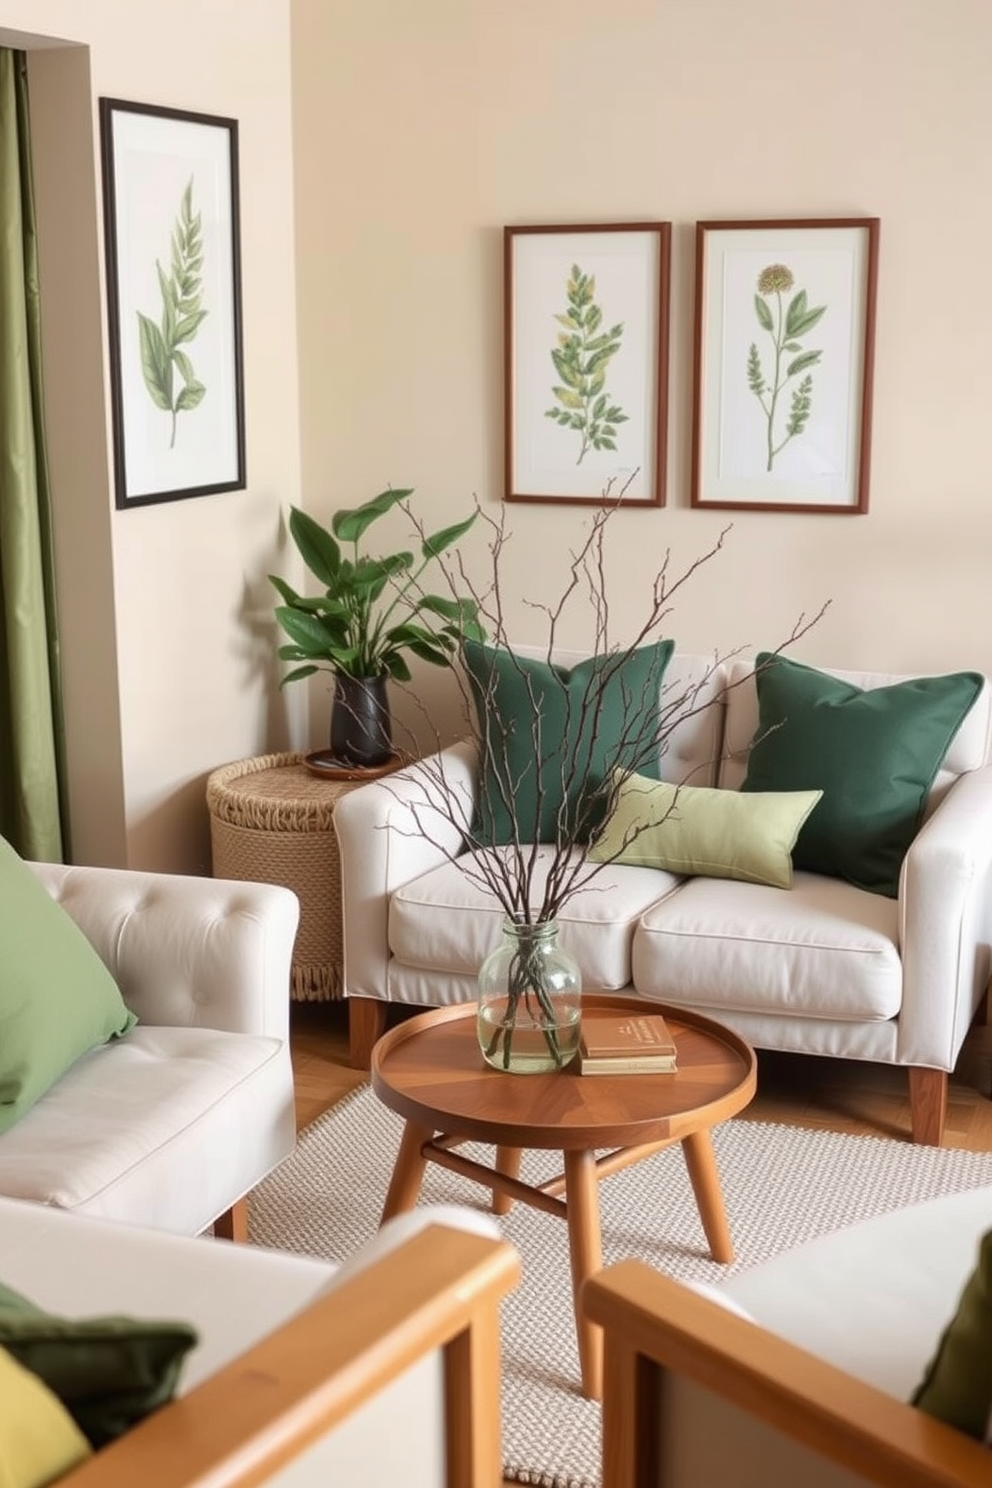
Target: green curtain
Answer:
pixel 31 814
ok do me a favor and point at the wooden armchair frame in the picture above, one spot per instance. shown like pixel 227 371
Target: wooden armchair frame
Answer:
pixel 656 1329
pixel 439 1290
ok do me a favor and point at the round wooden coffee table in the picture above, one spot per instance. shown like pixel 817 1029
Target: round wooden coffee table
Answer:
pixel 430 1070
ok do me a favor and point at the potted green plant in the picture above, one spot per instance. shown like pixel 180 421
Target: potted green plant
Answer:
pixel 373 612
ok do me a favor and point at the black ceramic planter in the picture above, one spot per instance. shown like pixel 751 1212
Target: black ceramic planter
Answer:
pixel 361 732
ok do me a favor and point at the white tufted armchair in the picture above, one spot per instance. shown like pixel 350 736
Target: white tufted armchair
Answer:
pixel 171 1126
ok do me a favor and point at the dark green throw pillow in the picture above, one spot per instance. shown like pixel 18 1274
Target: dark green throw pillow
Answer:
pixel 57 998
pixel 108 1372
pixel 551 737
pixel 957 1385
pixel 874 754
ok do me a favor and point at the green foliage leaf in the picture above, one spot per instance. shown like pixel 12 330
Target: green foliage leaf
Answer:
pixel 288 593
pixel 317 547
pixel 373 609
pixel 799 410
pixel 799 318
pixel 755 376
pixel 191 396
pixel 187 328
pixel 155 365
pixel 763 313
pixel 308 632
pixel 351 525
pixel 298 673
pixel 444 539
pixel 600 358
pixel 182 316
pixel 565 367
pixel 809 320
pixel 800 363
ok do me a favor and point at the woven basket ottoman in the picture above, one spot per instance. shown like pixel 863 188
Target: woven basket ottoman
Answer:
pixel 271 821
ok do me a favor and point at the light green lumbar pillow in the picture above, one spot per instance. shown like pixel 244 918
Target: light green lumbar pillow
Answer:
pixel 108 1372
pixel 873 752
pixel 551 737
pixel 57 998
pixel 39 1441
pixel 957 1385
pixel 691 829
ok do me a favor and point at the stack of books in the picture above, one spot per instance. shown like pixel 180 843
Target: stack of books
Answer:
pixel 625 1044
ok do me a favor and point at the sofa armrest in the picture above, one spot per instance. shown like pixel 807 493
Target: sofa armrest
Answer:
pixel 438 1293
pixel 694 1395
pixel 187 951
pixel 945 923
pixel 388 835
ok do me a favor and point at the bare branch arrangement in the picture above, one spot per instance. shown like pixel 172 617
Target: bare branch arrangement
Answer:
pixel 579 783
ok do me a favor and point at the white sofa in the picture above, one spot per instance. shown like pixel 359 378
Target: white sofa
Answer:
pixel 384 1370
pixel 823 968
pixel 173 1124
pixel 811 1384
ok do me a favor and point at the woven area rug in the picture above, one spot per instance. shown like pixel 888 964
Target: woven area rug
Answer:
pixel 781 1185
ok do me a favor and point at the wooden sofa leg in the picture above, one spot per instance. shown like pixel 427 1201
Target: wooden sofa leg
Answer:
pixel 366 1023
pixel 233 1223
pixel 927 1104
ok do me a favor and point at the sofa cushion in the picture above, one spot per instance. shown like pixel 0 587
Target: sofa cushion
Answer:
pixel 39 1440
pixel 121 1132
pixel 713 833
pixel 874 754
pixel 444 922
pixel 108 1372
pixel 957 1384
pixel 550 736
pixel 57 998
pixel 825 949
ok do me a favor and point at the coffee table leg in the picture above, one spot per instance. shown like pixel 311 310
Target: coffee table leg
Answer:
pixel 408 1171
pixel 586 1254
pixel 697 1150
pixel 507 1162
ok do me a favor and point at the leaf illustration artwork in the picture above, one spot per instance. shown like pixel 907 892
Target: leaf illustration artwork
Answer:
pixel 785 325
pixel 581 358
pixel 162 355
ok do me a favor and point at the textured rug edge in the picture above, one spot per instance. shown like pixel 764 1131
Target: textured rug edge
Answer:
pixel 311 1208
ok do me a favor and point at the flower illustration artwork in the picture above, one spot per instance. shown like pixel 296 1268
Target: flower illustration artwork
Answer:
pixel 785 325
pixel 581 358
pixel 162 354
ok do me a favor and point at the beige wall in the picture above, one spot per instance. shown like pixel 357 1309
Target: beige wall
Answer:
pixel 423 129
pixel 166 611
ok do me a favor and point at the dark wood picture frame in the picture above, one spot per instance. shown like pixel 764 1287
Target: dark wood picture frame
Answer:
pixel 782 388
pixel 171 225
pixel 586 362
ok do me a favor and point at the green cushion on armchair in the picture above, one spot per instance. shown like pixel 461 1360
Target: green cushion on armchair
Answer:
pixel 957 1385
pixel 57 998
pixel 108 1372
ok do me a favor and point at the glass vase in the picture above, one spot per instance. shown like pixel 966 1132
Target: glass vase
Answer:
pixel 530 1001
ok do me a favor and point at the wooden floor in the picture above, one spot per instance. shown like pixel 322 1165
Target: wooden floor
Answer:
pixel 839 1094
